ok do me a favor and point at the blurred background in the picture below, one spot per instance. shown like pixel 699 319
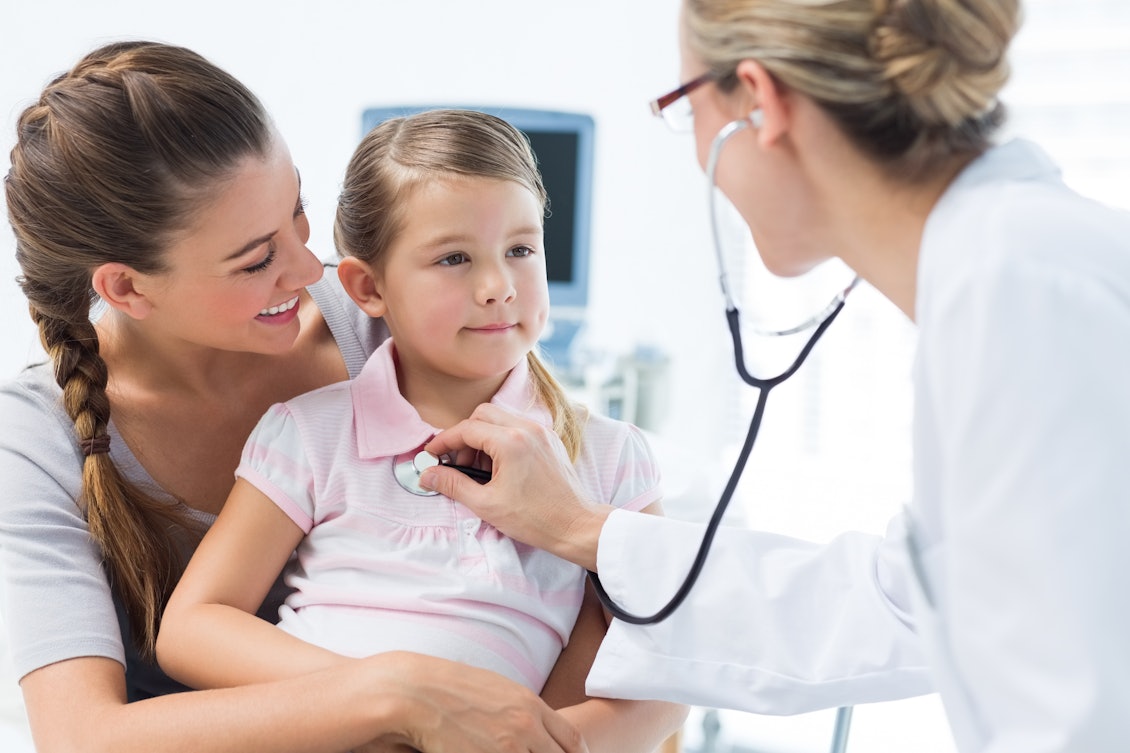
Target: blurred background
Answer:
pixel 652 347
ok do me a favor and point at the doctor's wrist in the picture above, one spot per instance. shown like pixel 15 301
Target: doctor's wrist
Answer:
pixel 581 538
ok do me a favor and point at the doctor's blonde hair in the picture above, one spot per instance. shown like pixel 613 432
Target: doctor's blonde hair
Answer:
pixel 400 154
pixel 911 82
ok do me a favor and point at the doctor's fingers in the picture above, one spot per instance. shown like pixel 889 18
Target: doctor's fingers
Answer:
pixel 495 431
pixel 458 486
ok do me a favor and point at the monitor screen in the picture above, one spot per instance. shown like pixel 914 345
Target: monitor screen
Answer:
pixel 557 159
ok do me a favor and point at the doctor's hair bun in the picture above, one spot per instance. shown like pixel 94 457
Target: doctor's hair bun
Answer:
pixel 945 58
pixel 910 82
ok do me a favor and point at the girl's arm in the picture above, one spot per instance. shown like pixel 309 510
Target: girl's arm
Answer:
pixel 607 724
pixel 210 636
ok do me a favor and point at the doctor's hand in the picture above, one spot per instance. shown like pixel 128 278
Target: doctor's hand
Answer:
pixel 534 494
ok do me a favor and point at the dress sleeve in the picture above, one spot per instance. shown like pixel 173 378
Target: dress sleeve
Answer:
pixel 274 462
pixel 57 602
pixel 636 477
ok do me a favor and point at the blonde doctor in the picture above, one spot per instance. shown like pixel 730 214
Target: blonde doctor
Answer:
pixel 865 131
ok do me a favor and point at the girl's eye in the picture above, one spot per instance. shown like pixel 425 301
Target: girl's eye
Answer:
pixel 267 261
pixel 521 251
pixel 452 259
pixel 300 208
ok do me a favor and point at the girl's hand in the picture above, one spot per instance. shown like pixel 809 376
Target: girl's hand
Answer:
pixel 534 495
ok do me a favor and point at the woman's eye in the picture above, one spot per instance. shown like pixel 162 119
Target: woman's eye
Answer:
pixel 300 207
pixel 521 251
pixel 452 259
pixel 267 260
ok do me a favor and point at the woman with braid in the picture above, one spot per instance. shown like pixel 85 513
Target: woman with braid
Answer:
pixel 161 239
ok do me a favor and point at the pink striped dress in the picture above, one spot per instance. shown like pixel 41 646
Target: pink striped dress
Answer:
pixel 381 569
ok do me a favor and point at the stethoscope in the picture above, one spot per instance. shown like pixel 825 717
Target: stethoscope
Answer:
pixel 408 466
pixel 821 321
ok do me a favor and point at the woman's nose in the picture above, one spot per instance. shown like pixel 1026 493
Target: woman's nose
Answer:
pixel 303 266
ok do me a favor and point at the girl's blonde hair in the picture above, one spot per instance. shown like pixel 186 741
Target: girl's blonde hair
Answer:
pixel 110 164
pixel 911 82
pixel 400 154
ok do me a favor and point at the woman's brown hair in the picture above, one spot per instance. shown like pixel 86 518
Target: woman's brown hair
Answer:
pixel 108 166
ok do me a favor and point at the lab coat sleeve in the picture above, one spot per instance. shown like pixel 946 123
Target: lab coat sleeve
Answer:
pixel 774 625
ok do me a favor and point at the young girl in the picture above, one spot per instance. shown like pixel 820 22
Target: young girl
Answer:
pixel 440 226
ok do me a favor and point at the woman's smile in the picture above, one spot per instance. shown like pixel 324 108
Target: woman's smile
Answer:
pixel 282 308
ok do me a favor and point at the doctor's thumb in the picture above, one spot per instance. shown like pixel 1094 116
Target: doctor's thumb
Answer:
pixel 447 481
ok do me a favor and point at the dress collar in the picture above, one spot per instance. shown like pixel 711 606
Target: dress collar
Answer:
pixel 387 424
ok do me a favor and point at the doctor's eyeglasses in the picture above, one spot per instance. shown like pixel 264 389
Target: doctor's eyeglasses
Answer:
pixel 675 108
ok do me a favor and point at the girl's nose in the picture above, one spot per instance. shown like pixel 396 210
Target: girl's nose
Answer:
pixel 495 285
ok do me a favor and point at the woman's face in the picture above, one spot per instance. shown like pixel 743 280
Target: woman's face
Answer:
pixel 233 280
pixel 762 182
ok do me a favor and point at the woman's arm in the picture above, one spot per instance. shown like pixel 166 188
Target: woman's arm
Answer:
pixel 396 699
pixel 615 725
pixel 210 636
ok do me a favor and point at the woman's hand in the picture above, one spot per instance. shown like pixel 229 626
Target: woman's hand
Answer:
pixel 448 707
pixel 534 495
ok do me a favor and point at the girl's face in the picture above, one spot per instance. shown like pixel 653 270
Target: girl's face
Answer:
pixel 233 280
pixel 463 287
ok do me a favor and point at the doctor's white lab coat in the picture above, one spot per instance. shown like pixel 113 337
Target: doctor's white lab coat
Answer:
pixel 1005 586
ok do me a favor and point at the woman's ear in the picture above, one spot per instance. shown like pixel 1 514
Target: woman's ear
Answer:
pixel 766 96
pixel 360 282
pixel 117 285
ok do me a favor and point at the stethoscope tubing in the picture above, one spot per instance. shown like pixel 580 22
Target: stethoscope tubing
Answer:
pixel 821 321
pixel 764 386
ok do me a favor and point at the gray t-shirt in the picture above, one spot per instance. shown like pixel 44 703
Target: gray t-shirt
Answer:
pixel 56 600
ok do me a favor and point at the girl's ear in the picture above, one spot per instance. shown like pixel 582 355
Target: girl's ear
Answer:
pixel 765 95
pixel 360 282
pixel 118 285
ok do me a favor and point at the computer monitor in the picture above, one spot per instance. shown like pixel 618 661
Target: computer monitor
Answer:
pixel 563 145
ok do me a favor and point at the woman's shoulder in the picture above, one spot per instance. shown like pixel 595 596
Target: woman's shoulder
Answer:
pixel 1010 222
pixel 357 334
pixel 31 405
pixel 37 443
pixel 1012 205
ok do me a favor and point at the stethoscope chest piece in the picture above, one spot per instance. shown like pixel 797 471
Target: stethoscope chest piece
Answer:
pixel 408 467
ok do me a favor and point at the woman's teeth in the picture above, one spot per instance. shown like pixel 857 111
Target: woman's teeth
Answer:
pixel 275 310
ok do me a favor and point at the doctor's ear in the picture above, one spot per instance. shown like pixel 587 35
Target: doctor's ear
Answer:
pixel 361 283
pixel 766 100
pixel 123 289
